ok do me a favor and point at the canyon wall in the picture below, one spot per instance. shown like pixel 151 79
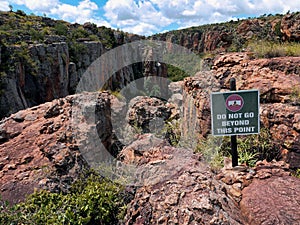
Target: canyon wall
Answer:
pixel 42 72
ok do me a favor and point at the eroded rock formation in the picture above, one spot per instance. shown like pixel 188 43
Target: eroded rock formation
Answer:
pixel 178 187
pixel 40 147
pixel 278 82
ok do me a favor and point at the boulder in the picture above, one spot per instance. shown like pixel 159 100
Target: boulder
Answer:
pixel 272 201
pixel 176 187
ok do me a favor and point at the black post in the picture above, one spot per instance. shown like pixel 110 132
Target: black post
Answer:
pixel 233 144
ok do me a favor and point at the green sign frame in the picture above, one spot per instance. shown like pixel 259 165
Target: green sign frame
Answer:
pixel 235 113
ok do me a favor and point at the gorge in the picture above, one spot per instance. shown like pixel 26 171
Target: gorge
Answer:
pixel 42 148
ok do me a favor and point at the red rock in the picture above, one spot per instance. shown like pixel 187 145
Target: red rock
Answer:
pixel 272 201
pixel 43 144
pixel 180 188
pixel 277 80
pixel 290 27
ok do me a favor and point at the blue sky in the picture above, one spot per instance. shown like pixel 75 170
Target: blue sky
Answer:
pixel 148 17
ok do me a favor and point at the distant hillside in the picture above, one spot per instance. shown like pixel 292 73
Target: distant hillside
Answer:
pixel 236 35
pixel 17 27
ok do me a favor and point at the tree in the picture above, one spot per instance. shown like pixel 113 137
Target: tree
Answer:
pixel 10 8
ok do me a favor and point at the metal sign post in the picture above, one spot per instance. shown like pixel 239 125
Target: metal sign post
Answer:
pixel 233 140
pixel 235 113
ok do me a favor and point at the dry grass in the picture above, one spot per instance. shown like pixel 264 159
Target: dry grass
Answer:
pixel 266 49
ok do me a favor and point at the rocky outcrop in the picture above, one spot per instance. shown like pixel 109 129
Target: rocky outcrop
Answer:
pixel 266 194
pixel 234 35
pixel 149 114
pixel 43 72
pixel 45 147
pixel 278 82
pixel 40 148
pixel 196 105
pixel 178 188
pixel 290 27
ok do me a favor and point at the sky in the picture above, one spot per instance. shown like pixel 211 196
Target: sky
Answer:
pixel 147 17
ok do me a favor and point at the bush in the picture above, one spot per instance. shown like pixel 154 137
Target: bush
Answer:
pixel 176 74
pixel 251 148
pixel 214 149
pixel 90 201
pixel 61 29
pixel 296 173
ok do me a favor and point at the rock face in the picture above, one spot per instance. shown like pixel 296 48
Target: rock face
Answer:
pixel 48 73
pixel 278 82
pixel 290 27
pixel 39 148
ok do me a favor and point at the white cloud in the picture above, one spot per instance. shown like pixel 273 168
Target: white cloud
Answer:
pixel 280 6
pixel 4 5
pixel 140 17
pixel 152 16
pixel 84 11
pixel 141 28
pixel 186 13
pixel 81 13
pixel 37 5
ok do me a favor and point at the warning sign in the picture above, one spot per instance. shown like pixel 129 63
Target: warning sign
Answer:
pixel 235 113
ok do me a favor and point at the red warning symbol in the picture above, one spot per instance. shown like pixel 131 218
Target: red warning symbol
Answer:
pixel 234 103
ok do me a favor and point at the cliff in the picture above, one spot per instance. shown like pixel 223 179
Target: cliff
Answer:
pixel 43 59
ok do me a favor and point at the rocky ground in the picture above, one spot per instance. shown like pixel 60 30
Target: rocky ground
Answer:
pixel 48 146
pixel 189 193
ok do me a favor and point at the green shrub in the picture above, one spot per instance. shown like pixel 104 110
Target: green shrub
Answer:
pixel 90 201
pixel 182 65
pixel 36 35
pixel 251 148
pixel 75 50
pixel 214 149
pixel 296 173
pixel 176 74
pixel 61 29
pixel 107 37
pixel 261 145
pixel 172 131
